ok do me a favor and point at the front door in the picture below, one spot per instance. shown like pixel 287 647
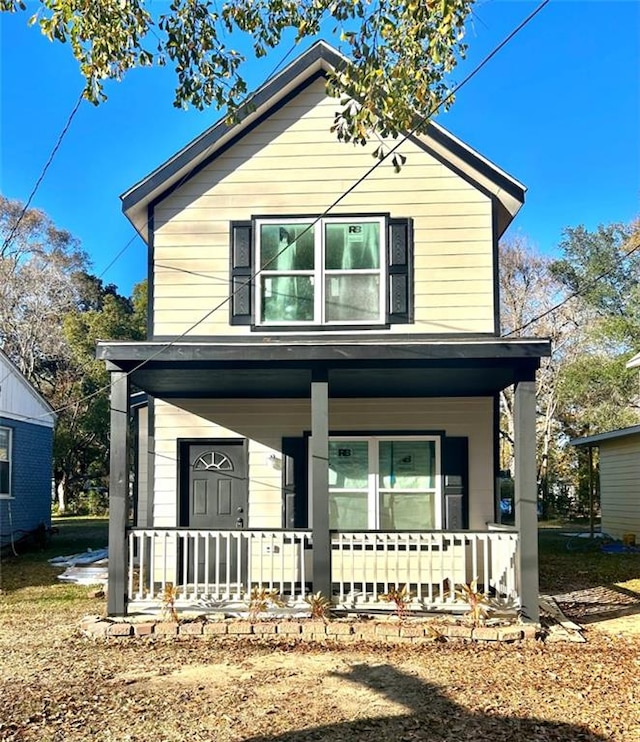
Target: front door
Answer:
pixel 217 500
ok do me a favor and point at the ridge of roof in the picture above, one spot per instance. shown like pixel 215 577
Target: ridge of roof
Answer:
pixel 319 59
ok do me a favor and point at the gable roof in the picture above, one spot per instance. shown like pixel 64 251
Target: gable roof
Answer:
pixel 49 416
pixel 317 61
pixel 602 437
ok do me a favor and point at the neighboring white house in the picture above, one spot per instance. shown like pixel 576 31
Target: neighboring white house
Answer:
pixel 26 447
pixel 322 384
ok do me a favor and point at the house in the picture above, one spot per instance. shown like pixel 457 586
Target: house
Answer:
pixel 26 447
pixel 619 473
pixel 322 375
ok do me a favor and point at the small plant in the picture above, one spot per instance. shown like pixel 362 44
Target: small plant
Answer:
pixel 260 599
pixel 169 597
pixel 478 602
pixel 319 606
pixel 400 597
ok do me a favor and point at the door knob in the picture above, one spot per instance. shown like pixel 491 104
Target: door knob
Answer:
pixel 239 522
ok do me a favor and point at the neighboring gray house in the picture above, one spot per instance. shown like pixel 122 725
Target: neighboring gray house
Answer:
pixel 619 456
pixel 26 447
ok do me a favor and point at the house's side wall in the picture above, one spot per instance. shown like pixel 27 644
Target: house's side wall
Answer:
pixel 292 164
pixel 30 506
pixel 620 486
pixel 265 422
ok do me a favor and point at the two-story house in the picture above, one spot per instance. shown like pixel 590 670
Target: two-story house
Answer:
pixel 322 367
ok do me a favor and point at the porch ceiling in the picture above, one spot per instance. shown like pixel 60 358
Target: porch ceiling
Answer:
pixel 382 366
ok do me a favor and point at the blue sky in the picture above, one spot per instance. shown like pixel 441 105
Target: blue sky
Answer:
pixel 559 109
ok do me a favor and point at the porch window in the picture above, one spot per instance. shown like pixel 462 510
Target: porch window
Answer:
pixel 5 462
pixel 384 484
pixel 323 272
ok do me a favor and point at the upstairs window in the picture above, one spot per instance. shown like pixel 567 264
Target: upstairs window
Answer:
pixel 341 271
pixel 327 272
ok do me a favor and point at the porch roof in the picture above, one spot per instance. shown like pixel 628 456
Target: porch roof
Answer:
pixel 283 366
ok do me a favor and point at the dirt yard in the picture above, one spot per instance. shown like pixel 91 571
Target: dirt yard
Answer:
pixel 57 685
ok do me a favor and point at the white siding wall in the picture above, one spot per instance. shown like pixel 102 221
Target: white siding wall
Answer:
pixel 18 400
pixel 292 164
pixel 620 486
pixel 264 422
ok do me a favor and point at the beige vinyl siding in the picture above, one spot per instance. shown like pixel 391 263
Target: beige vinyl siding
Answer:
pixel 142 473
pixel 620 486
pixel 292 164
pixel 265 422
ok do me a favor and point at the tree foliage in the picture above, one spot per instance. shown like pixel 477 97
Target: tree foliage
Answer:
pixel 401 51
pixel 80 392
pixel 52 311
pixel 587 303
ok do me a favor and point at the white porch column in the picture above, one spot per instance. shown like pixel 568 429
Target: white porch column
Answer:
pixel 320 486
pixel 118 493
pixel 526 497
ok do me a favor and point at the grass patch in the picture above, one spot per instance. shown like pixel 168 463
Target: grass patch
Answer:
pixel 28 582
pixel 563 569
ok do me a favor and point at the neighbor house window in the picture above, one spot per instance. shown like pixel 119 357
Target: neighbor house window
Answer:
pixel 328 271
pixel 384 484
pixel 5 462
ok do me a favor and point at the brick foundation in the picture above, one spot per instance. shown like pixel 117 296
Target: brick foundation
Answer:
pixel 341 631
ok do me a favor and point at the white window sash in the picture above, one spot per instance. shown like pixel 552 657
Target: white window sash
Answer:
pixel 374 489
pixel 319 273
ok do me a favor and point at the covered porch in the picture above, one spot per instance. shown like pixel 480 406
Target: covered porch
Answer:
pixel 217 568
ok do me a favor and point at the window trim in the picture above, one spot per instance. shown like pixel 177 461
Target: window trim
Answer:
pixel 320 272
pixel 9 461
pixel 374 491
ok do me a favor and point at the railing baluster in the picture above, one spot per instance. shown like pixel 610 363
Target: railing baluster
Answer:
pixel 206 563
pixel 217 564
pixel 196 570
pixel 303 575
pixel 227 587
pixel 239 583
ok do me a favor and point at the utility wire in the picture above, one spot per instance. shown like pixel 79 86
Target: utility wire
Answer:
pixel 578 292
pixel 14 229
pixel 336 202
pixel 188 174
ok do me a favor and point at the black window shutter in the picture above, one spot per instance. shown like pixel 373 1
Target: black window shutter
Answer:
pixel 400 266
pixel 295 504
pixel 455 472
pixel 241 270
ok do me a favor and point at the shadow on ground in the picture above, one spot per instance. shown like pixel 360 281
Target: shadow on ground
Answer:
pixel 431 717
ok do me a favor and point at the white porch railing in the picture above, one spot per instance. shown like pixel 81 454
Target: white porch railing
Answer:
pixel 366 564
pixel 217 566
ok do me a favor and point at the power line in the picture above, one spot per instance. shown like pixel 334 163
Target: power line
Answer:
pixel 578 292
pixel 188 174
pixel 421 119
pixel 14 229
